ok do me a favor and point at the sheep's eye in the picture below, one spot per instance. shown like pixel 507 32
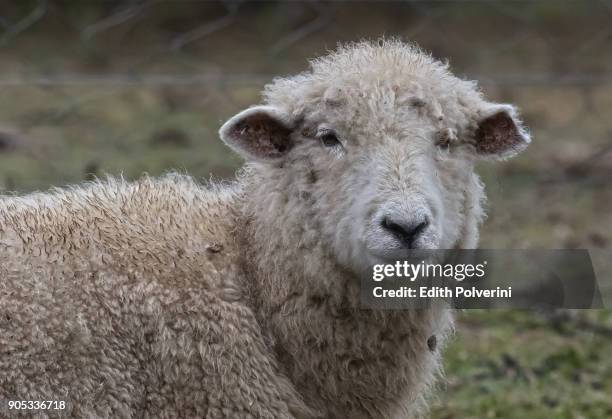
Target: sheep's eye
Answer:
pixel 329 139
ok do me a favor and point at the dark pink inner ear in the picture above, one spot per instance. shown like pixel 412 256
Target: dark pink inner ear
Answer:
pixel 262 135
pixel 498 134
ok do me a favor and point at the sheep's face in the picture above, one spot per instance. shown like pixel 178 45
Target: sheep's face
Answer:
pixel 370 167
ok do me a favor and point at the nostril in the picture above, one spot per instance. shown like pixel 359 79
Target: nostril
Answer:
pixel 393 226
pixel 406 232
pixel 416 232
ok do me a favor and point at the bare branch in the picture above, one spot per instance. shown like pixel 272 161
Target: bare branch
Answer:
pixel 317 24
pixel 132 12
pixel 201 31
pixel 35 15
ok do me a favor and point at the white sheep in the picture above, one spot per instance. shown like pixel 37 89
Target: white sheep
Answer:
pixel 166 298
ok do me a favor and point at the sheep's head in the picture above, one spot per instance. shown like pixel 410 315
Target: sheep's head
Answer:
pixel 374 149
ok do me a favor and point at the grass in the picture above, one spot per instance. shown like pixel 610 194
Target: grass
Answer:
pixel 517 364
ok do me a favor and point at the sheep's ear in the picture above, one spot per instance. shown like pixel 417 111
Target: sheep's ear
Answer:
pixel 500 133
pixel 259 133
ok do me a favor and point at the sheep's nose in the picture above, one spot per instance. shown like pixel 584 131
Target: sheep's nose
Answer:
pixel 405 231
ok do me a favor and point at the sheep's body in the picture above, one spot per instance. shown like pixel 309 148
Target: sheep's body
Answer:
pixel 132 298
pixel 163 298
pixel 121 299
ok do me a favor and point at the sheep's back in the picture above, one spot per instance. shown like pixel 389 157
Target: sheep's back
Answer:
pixel 124 293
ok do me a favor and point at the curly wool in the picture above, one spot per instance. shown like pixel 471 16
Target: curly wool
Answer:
pixel 121 299
pixel 135 299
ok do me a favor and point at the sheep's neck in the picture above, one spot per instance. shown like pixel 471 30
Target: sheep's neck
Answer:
pixel 339 356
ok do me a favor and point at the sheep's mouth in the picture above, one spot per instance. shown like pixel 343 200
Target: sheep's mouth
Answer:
pixel 390 256
pixel 391 249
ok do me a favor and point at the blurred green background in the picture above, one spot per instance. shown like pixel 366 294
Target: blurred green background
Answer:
pixel 126 87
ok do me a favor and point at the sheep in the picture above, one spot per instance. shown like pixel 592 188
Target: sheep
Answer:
pixel 168 298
